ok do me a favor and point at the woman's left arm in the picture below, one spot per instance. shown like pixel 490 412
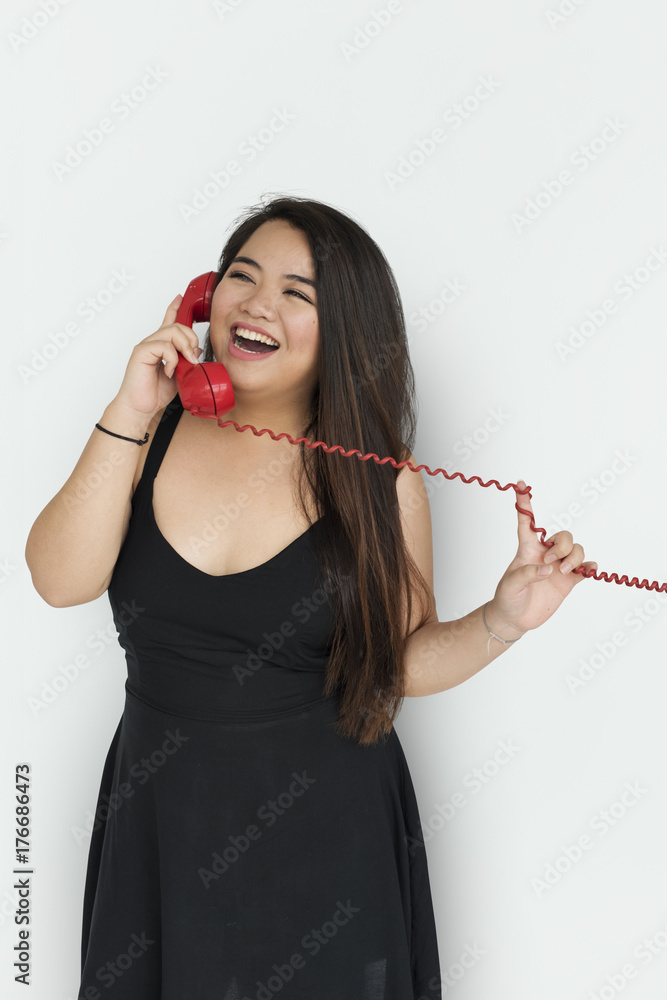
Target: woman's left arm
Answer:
pixel 440 655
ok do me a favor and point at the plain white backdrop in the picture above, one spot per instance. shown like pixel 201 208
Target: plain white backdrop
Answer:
pixel 509 158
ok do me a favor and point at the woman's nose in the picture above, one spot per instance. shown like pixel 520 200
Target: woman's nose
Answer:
pixel 260 300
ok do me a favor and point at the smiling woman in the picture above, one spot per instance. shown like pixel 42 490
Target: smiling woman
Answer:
pixel 277 588
pixel 312 279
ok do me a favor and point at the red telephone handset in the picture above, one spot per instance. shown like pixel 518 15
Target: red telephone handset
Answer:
pixel 205 389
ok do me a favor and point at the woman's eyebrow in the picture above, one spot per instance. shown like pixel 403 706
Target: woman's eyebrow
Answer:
pixel 290 277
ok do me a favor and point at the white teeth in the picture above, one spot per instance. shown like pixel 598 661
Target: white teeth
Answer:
pixel 240 331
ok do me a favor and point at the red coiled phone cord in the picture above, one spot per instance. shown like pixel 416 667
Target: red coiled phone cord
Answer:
pixel 600 575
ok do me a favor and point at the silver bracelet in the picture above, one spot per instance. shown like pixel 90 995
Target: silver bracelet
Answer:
pixel 507 642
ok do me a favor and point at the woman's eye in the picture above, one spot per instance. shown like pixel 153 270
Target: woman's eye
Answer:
pixel 290 291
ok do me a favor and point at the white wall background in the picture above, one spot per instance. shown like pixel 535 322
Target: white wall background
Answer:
pixel 559 72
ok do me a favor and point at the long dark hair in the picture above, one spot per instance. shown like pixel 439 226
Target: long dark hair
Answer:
pixel 365 399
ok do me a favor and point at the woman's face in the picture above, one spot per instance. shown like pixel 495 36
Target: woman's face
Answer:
pixel 264 291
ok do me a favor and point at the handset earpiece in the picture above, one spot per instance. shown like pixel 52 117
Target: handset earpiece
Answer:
pixel 196 304
pixel 205 389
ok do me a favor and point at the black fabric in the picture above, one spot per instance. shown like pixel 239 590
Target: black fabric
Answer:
pixel 241 850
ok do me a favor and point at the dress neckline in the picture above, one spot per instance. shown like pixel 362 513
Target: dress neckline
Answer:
pixel 152 465
pixel 224 576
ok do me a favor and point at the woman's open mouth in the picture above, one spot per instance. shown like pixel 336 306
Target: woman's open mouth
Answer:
pixel 249 345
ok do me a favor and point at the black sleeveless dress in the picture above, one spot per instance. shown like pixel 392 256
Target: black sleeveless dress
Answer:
pixel 241 850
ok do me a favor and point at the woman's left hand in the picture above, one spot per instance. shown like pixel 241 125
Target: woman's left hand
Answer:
pixel 523 599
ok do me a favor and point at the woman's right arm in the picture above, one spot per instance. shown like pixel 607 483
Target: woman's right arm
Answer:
pixel 74 543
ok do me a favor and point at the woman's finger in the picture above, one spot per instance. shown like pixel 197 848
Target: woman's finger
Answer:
pixel 572 559
pixel 562 545
pixel 589 568
pixel 524 530
pixel 172 309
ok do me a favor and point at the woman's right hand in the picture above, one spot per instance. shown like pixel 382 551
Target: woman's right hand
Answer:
pixel 148 385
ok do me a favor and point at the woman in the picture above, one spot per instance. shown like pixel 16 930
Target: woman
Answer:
pixel 257 831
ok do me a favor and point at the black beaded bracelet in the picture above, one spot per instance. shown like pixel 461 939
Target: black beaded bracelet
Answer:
pixel 122 436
